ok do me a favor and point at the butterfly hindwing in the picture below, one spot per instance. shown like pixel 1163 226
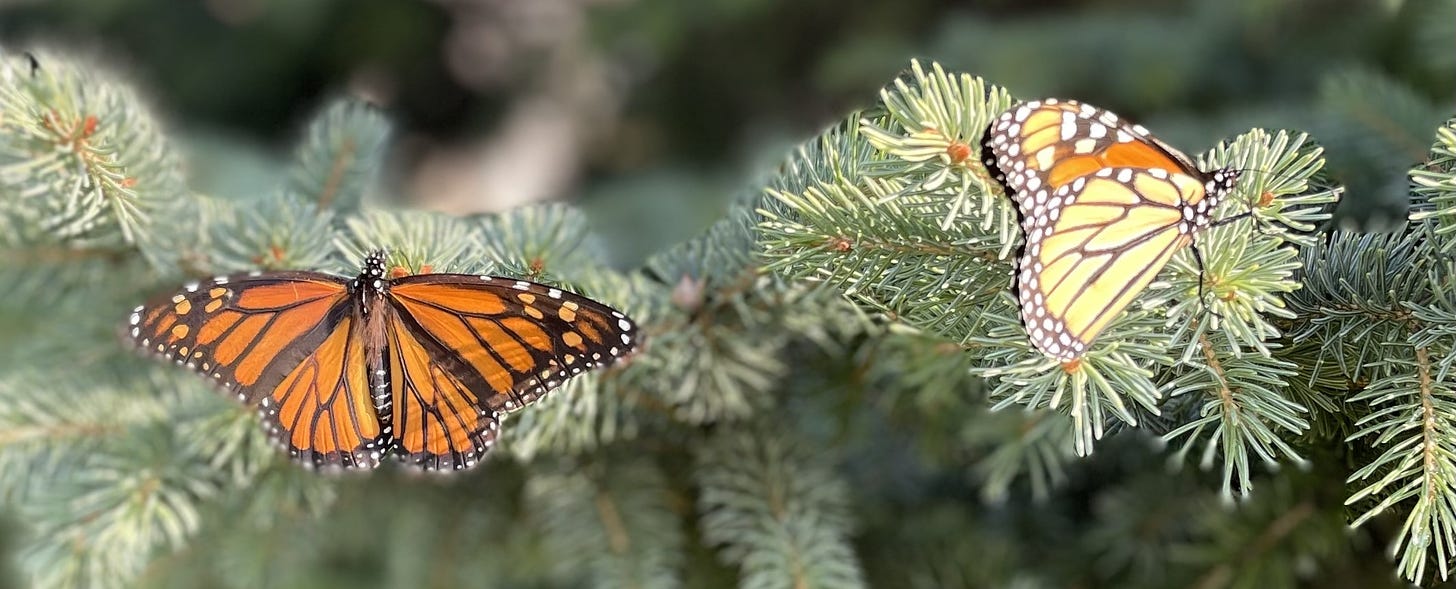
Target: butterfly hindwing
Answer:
pixel 322 411
pixel 438 419
pixel 1093 246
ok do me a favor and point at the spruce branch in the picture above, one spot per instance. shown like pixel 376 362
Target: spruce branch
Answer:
pixel 929 384
pixel 541 243
pixel 614 518
pixel 1253 544
pixel 1034 444
pixel 339 160
pixel 53 420
pixel 1355 295
pixel 228 435
pixel 837 154
pixel 70 284
pixel 879 254
pixel 1245 275
pixel 1434 185
pixel 1411 394
pixel 418 241
pixel 945 273
pixel 127 502
pixel 81 162
pixel 282 232
pixel 1136 538
pixel 775 511
pixel 1417 463
pixel 934 123
pixel 1250 417
pixel 1093 390
pixel 718 349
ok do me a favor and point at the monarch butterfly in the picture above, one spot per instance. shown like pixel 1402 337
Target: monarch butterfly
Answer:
pixel 348 371
pixel 1103 206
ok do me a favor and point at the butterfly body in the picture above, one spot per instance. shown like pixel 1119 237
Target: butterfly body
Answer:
pixel 346 372
pixel 1103 206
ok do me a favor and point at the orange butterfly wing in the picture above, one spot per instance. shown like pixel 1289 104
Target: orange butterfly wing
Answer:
pixel 465 349
pixel 1042 145
pixel 286 342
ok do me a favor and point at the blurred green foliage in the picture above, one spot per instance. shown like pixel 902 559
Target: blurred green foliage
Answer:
pixel 708 87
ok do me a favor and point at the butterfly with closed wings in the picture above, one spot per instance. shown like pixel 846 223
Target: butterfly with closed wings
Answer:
pixel 1103 206
pixel 348 371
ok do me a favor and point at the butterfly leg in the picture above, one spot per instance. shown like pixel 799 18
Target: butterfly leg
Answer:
pixel 1260 224
pixel 1198 257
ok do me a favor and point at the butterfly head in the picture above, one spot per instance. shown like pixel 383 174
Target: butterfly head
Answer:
pixel 371 280
pixel 1220 183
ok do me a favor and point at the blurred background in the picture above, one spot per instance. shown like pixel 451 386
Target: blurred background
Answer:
pixel 653 113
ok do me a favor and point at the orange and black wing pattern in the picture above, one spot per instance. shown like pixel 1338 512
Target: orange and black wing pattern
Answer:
pixel 285 342
pixel 346 372
pixel 1042 145
pixel 465 349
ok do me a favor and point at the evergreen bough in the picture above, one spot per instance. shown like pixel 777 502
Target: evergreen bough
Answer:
pixel 832 374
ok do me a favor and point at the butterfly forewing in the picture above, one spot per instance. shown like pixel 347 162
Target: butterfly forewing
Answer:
pixel 1042 145
pixel 245 332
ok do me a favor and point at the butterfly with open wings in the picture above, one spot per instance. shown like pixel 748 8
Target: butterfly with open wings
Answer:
pixel 348 371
